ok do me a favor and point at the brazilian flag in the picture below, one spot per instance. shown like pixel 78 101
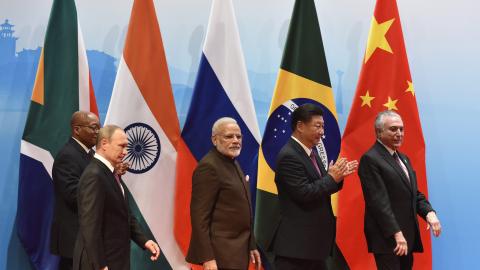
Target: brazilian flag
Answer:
pixel 303 78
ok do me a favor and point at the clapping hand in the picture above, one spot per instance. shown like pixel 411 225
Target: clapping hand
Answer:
pixel 341 168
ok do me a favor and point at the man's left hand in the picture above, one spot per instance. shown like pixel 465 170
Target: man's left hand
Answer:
pixel 122 168
pixel 154 249
pixel 255 258
pixel 434 223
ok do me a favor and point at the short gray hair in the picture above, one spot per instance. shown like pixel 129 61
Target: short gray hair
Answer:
pixel 380 120
pixel 220 122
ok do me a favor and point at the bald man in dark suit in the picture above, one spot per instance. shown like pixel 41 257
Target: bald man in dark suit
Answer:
pixel 67 169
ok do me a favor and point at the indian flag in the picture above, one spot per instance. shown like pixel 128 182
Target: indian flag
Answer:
pixel 62 86
pixel 142 103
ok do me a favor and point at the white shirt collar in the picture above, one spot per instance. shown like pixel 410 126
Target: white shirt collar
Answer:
pixel 82 145
pixel 390 150
pixel 307 150
pixel 104 161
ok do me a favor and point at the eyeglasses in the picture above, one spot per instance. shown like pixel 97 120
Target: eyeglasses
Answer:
pixel 94 128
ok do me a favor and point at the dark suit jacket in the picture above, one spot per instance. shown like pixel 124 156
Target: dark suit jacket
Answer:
pixel 106 224
pixel 67 169
pixel 307 226
pixel 392 202
pixel 221 214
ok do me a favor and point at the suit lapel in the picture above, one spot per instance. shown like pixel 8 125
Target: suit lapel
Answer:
pixel 80 149
pixel 241 176
pixel 123 195
pixel 245 185
pixel 413 179
pixel 112 182
pixel 320 165
pixel 306 159
pixel 392 162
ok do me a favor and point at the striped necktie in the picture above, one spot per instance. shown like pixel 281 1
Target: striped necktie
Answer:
pixel 314 161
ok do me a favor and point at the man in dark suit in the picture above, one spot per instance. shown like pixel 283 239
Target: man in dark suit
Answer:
pixel 392 199
pixel 221 213
pixel 305 234
pixel 106 224
pixel 67 168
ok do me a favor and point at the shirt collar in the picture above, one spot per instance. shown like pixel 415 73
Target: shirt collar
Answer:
pixel 390 150
pixel 104 161
pixel 82 145
pixel 307 150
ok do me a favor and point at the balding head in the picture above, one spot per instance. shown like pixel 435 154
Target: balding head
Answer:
pixel 106 133
pixel 112 144
pixel 85 126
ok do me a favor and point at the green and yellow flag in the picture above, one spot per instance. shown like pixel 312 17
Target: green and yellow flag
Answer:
pixel 303 78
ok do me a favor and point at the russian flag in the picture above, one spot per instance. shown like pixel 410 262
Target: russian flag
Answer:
pixel 222 89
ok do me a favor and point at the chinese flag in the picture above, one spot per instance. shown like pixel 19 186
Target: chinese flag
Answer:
pixel 384 83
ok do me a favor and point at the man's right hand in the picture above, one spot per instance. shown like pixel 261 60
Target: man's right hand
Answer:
pixel 342 168
pixel 210 265
pixel 402 248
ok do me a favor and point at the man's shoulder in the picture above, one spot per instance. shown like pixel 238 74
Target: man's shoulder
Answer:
pixel 68 155
pixel 70 148
pixel 375 154
pixel 95 170
pixel 289 148
pixel 372 151
pixel 209 158
pixel 95 166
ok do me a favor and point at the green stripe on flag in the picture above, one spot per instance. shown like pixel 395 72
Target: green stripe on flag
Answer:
pixel 48 126
pixel 269 215
pixel 303 53
pixel 140 258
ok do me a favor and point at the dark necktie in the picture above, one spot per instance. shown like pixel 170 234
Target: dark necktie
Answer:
pixel 314 162
pixel 400 163
pixel 91 153
pixel 118 183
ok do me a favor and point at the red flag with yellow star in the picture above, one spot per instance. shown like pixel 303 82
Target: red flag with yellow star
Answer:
pixel 384 83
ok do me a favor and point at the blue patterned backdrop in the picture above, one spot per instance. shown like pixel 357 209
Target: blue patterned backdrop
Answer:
pixel 442 40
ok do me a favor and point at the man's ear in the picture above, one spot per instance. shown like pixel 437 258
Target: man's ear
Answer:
pixel 300 126
pixel 76 130
pixel 103 142
pixel 214 140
